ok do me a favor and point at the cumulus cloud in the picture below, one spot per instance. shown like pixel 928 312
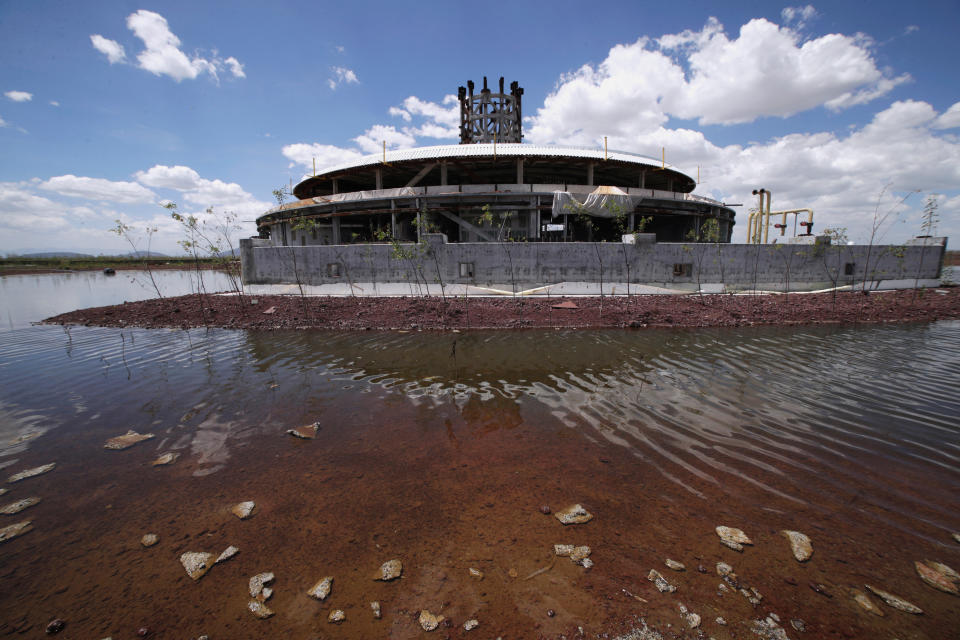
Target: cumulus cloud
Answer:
pixel 325 155
pixel 798 16
pixel 21 210
pixel 98 189
pixel 3 123
pixel 342 75
pixel 111 48
pixel 162 55
pixel 198 190
pixel 19 96
pixel 950 119
pixel 371 141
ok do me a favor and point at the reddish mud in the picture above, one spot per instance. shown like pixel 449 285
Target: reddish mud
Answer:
pixel 294 312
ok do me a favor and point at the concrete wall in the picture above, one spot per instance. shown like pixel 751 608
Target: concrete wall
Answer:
pixel 674 265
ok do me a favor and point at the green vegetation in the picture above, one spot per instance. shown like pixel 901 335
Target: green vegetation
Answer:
pixel 14 263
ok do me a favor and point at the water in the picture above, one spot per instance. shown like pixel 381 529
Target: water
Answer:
pixel 439 449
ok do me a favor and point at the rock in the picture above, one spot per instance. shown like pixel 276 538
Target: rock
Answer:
pixel 149 539
pixel 322 589
pixel 551 613
pixel 29 473
pixel 723 569
pixel 752 595
pixel 895 601
pixel 798 624
pixel 55 626
pixel 471 624
pixel 563 550
pixel 660 582
pixel 956 536
pixel 673 564
pixel 266 594
pixel 580 554
pixel 586 563
pixel 865 602
pixel 768 629
pixel 512 572
pixel 243 510
pixel 475 573
pixel 428 621
pixel 799 544
pixel 733 538
pixel 545 509
pixel 18 506
pixel 3 490
pixel 375 607
pixel 196 563
pixel 257 584
pixel 389 570
pixel 127 440
pixel 259 609
pixel 721 622
pixel 228 553
pixel 574 514
pixel 693 620
pixel 939 576
pixel 336 616
pixel 12 531
pixel 306 432
pixel 167 458
pixel 819 588
pixel 143 632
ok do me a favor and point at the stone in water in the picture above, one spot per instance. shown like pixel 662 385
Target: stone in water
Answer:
pixel 389 570
pixel 257 583
pixel 861 599
pixel 228 553
pixel 29 473
pixel 800 545
pixel 322 589
pixel 149 539
pixel 895 601
pixel 375 607
pixel 574 514
pixel 12 531
pixel 127 440
pixel 306 432
pixel 660 582
pixel 471 624
pixel 259 609
pixel 676 566
pixel 196 563
pixel 939 576
pixel 733 538
pixel 428 621
pixel 167 458
pixel 18 506
pixel 243 510
pixel 337 616
pixel 475 573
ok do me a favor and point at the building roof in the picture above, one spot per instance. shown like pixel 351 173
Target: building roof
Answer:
pixel 519 150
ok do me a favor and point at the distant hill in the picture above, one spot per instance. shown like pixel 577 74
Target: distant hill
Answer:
pixel 56 254
pixel 144 254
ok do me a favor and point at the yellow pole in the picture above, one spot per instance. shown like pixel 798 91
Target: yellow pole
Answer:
pixel 494 146
pixel 766 228
pixel 663 157
pixel 314 166
pixel 604 148
pixel 384 152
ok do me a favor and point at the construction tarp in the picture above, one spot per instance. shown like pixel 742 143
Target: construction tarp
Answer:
pixel 369 195
pixel 602 202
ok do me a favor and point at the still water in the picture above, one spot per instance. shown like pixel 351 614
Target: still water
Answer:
pixel 440 448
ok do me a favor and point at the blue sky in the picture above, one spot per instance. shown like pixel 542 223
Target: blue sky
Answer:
pixel 108 109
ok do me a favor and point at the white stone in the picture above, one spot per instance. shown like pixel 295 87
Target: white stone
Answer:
pixel 428 621
pixel 574 514
pixel 228 553
pixel 29 473
pixel 259 609
pixel 389 570
pixel 471 624
pixel 322 589
pixel 337 616
pixel 18 506
pixel 149 539
pixel 196 563
pixel 127 440
pixel 258 582
pixel 243 510
pixel 799 544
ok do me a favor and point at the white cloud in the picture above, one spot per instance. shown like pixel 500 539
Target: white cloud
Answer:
pixel 399 113
pixel 950 119
pixel 19 96
pixel 54 103
pixel 110 48
pixel 4 123
pixel 798 15
pixel 235 67
pixel 342 75
pixel 162 55
pixel 373 138
pixel 21 210
pixel 163 177
pixel 325 155
pixel 98 189
pixel 201 191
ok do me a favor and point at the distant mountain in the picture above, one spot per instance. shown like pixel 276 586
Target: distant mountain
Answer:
pixel 56 254
pixel 144 254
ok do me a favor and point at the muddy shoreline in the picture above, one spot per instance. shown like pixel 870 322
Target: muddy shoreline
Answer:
pixel 416 313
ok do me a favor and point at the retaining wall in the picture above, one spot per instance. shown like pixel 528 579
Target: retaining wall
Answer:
pixel 672 265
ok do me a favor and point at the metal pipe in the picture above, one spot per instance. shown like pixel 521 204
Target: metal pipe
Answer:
pixel 766 228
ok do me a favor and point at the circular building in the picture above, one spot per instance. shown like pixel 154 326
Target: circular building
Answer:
pixel 493 188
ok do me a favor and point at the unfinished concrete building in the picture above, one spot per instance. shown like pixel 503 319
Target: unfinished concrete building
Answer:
pixel 493 188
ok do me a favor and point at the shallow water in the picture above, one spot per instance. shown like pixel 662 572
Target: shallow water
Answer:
pixel 439 449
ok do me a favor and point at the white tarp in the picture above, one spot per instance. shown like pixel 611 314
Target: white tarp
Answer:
pixel 603 202
pixel 369 195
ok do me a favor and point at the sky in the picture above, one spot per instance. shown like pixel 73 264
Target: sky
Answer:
pixel 111 109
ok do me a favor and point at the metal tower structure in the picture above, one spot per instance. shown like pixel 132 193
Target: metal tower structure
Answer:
pixel 488 116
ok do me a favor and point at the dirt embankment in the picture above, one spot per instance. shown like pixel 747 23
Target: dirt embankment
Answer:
pixel 294 312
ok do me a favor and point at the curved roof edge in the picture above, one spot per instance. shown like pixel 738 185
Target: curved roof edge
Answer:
pixel 512 149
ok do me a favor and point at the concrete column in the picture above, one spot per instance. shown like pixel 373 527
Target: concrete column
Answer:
pixel 670 185
pixel 519 170
pixel 443 173
pixel 631 227
pixel 336 185
pixel 336 230
pixel 393 218
pixel 590 174
pixel 643 179
pixel 379 175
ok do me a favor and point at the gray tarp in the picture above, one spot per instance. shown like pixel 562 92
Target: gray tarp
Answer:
pixel 604 202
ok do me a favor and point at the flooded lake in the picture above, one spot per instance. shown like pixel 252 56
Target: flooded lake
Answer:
pixel 439 449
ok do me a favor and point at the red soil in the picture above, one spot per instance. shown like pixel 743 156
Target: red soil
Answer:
pixel 294 312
